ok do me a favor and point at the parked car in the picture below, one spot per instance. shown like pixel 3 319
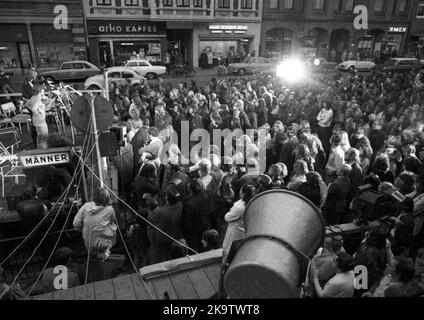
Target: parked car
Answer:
pixel 351 65
pixel 145 68
pixel 71 71
pixel 321 65
pixel 401 65
pixel 117 75
pixel 252 65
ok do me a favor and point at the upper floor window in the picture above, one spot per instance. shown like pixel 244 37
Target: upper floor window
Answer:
pixel 131 3
pixel 104 2
pixel 224 4
pixel 183 3
pixel 420 12
pixel 288 4
pixel 246 4
pixel 378 6
pixel 198 3
pixel 400 7
pixel 319 5
pixel 167 3
pixel 348 5
pixel 273 4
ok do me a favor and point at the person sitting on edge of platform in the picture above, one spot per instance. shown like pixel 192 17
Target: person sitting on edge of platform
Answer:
pixel 61 263
pixel 342 284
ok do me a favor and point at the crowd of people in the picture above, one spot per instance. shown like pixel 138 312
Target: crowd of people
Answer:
pixel 351 144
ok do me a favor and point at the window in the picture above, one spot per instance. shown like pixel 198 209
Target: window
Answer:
pixel 9 56
pixel 167 3
pixel 224 4
pixel 273 4
pixel 378 6
pixel 78 66
pixel 132 64
pixel 114 75
pixel 400 7
pixel 246 4
pixel 143 64
pixel 348 5
pixel 319 5
pixel 87 66
pixel 131 3
pixel 183 3
pixel 104 2
pixel 198 3
pixel 66 66
pixel 420 12
pixel 288 4
pixel 127 75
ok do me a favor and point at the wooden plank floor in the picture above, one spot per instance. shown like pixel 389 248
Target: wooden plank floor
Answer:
pixel 200 281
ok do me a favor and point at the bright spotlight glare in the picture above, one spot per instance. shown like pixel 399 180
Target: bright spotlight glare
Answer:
pixel 291 70
pixel 317 62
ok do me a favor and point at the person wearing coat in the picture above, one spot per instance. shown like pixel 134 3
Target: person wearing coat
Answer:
pixel 235 218
pixel 195 218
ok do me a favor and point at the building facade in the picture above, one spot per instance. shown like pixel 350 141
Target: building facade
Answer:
pixel 122 29
pixel 416 39
pixel 325 27
pixel 28 37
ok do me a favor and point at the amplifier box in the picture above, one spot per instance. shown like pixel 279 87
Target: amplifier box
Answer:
pixel 15 196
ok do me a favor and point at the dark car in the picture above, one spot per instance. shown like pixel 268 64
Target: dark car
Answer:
pixel 321 65
pixel 401 65
pixel 72 71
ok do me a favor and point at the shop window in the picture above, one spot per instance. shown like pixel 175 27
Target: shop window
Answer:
pixel 104 2
pixel 319 5
pixel 52 54
pixel 273 4
pixel 131 3
pixel 378 6
pixel 9 57
pixel 167 3
pixel 246 4
pixel 183 3
pixel 420 12
pixel 224 4
pixel 288 4
pixel 198 3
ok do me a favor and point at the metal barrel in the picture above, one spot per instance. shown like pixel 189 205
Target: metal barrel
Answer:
pixel 281 226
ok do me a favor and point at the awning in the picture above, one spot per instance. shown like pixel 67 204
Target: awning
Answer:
pixel 225 37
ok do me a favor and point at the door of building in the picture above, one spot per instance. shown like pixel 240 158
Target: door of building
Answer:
pixel 25 55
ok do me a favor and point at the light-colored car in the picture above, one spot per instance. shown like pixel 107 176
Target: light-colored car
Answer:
pixel 351 65
pixel 71 71
pixel 145 68
pixel 117 75
pixel 252 65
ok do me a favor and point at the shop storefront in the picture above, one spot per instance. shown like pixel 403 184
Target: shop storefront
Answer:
pixel 114 42
pixel 220 39
pixel 23 46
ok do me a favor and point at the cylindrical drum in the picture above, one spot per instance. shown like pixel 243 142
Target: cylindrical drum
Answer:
pixel 280 224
